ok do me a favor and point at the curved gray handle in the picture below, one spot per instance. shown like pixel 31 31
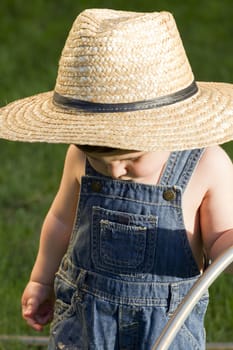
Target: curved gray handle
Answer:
pixel 209 276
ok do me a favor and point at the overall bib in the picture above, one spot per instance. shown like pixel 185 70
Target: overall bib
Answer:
pixel 129 265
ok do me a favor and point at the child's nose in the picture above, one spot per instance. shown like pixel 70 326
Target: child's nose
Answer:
pixel 117 169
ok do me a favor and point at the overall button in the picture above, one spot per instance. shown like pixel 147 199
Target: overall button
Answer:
pixel 96 186
pixel 169 195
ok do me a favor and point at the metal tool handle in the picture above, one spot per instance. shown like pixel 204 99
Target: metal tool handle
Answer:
pixel 182 312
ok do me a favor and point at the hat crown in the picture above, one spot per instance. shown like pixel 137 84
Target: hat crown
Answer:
pixel 120 57
pixel 124 81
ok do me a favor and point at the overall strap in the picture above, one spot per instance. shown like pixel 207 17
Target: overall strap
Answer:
pixel 180 167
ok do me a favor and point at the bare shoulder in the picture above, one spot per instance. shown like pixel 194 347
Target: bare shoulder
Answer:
pixel 216 214
pixel 75 154
pixel 65 202
pixel 75 162
pixel 215 166
pixel 215 154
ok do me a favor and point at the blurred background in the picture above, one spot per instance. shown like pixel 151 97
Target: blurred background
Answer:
pixel 32 35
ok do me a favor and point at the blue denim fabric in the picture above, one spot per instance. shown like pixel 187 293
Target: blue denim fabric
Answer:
pixel 128 265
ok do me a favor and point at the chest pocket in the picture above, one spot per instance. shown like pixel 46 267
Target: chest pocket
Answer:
pixel 123 242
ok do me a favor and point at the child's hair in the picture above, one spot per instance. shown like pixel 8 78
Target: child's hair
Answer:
pixel 90 149
pixel 96 149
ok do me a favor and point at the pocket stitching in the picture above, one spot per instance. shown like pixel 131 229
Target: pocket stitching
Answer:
pixel 149 224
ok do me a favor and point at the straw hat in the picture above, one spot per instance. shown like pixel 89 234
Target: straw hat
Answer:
pixel 124 81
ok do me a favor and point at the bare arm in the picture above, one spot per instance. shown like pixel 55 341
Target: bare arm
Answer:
pixel 58 224
pixel 38 296
pixel 217 206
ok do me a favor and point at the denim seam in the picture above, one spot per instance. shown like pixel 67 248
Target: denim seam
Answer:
pixel 160 204
pixel 63 276
pixel 189 167
pixel 193 340
pixel 125 300
pixel 170 167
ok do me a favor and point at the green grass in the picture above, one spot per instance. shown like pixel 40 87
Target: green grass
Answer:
pixel 28 180
pixel 31 38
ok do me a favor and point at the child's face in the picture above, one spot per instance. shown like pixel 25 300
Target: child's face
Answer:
pixel 129 166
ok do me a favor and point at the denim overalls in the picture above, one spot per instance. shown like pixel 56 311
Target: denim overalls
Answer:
pixel 128 265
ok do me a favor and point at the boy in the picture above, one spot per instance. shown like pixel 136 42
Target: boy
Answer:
pixel 146 194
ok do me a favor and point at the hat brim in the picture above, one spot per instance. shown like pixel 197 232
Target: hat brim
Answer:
pixel 202 120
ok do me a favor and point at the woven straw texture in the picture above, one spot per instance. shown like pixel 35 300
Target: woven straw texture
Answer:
pixel 124 57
